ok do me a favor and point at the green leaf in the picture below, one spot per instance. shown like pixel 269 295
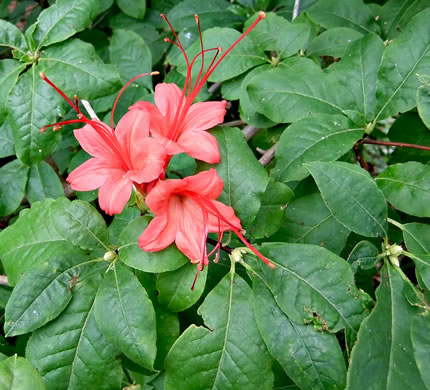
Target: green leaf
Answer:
pixel 11 36
pixel 358 71
pixel 16 373
pixel 423 103
pixel 416 236
pixel 214 13
pixel 64 19
pixel 363 256
pixel 352 197
pixel 32 104
pixel 353 14
pixel 397 80
pixel 120 221
pixel 229 353
pixel 383 357
pixel 71 353
pixel 13 177
pixel 407 187
pixel 167 259
pixel 395 14
pixel 312 359
pixel 80 223
pixel 321 283
pixel 333 42
pixel 76 68
pixel 135 9
pixel 43 183
pixel 9 71
pixel 174 288
pixel 420 337
pixel 125 315
pixel 300 93
pixel 319 227
pixel 44 291
pixel 7 144
pixel 32 239
pixel 320 137
pixel 167 333
pixel 244 56
pixel 295 37
pixel 271 214
pixel 245 180
pixel 132 56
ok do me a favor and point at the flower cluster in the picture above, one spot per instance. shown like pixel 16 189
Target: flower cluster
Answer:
pixel 136 153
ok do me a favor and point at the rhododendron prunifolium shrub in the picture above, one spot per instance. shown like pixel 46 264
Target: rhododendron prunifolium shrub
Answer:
pixel 214 195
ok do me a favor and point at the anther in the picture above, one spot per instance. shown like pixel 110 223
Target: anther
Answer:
pixel 155 73
pixel 262 15
pixel 42 76
pixel 55 128
pixel 196 17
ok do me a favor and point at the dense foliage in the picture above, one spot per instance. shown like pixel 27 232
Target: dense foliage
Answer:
pixel 324 158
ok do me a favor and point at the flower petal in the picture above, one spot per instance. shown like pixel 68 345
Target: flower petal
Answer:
pixel 207 184
pixel 159 234
pixel 92 142
pixel 156 118
pixel 132 129
pixel 227 213
pixel 115 192
pixel 205 115
pixel 167 98
pixel 159 197
pixel 90 175
pixel 170 146
pixel 200 145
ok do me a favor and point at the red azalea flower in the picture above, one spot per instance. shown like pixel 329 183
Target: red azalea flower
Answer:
pixel 120 158
pixel 186 210
pixel 177 123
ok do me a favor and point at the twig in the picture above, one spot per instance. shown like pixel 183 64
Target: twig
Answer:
pixel 249 131
pixel 3 280
pixel 268 155
pixel 296 9
pixel 398 144
pixel 360 159
pixel 226 249
pixel 260 150
pixel 214 87
pixel 233 123
pixel 89 109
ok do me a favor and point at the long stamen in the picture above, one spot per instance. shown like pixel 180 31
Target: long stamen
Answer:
pixel 122 90
pixel 196 17
pixel 57 126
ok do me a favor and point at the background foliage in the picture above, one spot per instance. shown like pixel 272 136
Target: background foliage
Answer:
pixel 317 162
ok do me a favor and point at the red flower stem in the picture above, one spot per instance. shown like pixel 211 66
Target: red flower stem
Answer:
pixel 389 143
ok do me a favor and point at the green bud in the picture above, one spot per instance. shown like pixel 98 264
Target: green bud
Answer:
pixel 110 256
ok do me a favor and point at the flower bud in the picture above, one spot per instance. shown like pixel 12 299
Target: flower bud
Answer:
pixel 110 256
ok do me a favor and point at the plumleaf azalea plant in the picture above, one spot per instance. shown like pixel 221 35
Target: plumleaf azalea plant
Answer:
pixel 232 195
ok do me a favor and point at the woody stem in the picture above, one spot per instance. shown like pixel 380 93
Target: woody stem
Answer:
pixel 226 249
pixel 389 143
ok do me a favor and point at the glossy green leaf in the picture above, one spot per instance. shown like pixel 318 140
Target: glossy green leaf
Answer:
pixel 71 353
pixel 63 19
pixel 312 359
pixel 242 58
pixel 333 42
pixel 318 227
pixel 9 72
pixel 395 14
pixel 321 283
pixel 11 36
pixel 353 14
pixel 295 37
pixel 229 352
pixel 358 71
pixel 167 259
pixel 32 104
pixel 320 137
pixel 401 62
pixel 420 337
pixel 16 373
pixel 214 13
pixel 43 182
pixel 300 93
pixel 384 350
pixel 13 177
pixel 7 144
pixel 417 239
pixel 407 187
pixel 174 288
pixel 352 197
pixel 245 180
pixel 364 256
pixel 167 333
pixel 271 214
pixel 76 68
pixel 125 315
pixel 135 8
pixel 44 291
pixel 132 57
pixel 31 239
pixel 120 221
pixel 423 103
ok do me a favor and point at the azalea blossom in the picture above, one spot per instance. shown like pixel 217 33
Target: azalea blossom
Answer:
pixel 186 210
pixel 178 123
pixel 121 159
